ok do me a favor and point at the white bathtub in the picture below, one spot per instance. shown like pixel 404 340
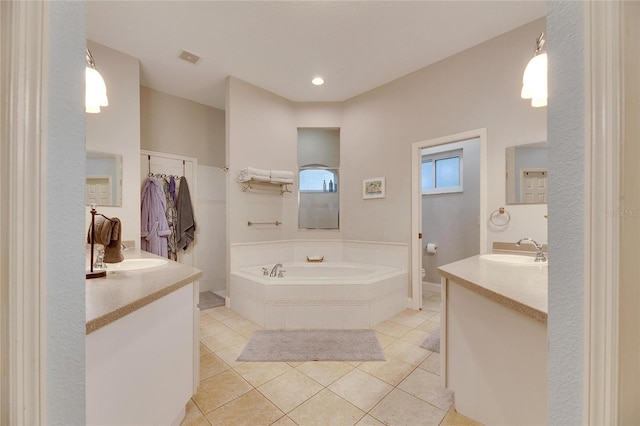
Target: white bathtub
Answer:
pixel 319 295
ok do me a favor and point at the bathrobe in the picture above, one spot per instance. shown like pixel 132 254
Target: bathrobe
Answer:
pixel 186 227
pixel 154 226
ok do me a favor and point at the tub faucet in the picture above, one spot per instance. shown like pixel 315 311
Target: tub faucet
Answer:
pixel 274 270
pixel 539 254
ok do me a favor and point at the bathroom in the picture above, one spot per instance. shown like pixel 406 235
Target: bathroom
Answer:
pixel 254 114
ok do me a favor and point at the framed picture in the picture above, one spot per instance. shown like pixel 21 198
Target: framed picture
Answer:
pixel 373 188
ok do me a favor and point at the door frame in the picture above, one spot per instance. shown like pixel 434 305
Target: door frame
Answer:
pixel 416 202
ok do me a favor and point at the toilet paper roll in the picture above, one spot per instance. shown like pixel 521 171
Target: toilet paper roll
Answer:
pixel 432 248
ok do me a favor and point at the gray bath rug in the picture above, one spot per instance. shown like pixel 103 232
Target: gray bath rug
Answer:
pixel 313 345
pixel 433 342
pixel 209 299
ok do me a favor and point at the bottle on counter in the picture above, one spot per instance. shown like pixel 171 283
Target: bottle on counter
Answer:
pixel 331 185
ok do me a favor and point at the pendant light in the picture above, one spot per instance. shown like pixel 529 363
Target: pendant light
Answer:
pixel 95 90
pixel 534 80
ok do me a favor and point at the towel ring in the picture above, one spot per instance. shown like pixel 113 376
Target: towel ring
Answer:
pixel 497 213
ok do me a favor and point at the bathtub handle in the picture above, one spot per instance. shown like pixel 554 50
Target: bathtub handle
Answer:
pixel 265 271
pixel 280 274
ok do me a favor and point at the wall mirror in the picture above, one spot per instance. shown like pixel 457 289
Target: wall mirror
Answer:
pixel 527 173
pixel 103 185
pixel 318 178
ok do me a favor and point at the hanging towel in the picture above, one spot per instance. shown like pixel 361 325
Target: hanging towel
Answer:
pixel 172 219
pixel 154 227
pixel 186 223
pixel 108 233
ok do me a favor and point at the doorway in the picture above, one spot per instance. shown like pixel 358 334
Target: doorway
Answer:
pixel 448 205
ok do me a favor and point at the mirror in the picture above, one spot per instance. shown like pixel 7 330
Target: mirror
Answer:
pixel 103 186
pixel 318 178
pixel 527 173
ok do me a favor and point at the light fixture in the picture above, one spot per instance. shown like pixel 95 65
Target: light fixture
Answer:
pixel 534 80
pixel 317 81
pixel 95 89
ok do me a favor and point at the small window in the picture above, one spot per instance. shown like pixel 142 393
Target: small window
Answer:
pixel 318 180
pixel 442 172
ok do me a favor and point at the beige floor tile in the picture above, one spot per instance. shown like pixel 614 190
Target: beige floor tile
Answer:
pixel 432 364
pixel 429 325
pixel 392 371
pixel 210 365
pixel 193 416
pixel 237 322
pixel 361 389
pixel 427 386
pixel 206 319
pixel 369 421
pixel 284 421
pixel 294 364
pixel 325 372
pixel 230 355
pixel 222 339
pixel 409 317
pixel 407 352
pixel 392 329
pixel 251 409
pixel 326 408
pixel 435 318
pixel 415 337
pixel 204 350
pixel 384 339
pixel 216 391
pixel 400 408
pixel 212 327
pixel 453 418
pixel 258 373
pixel 429 313
pixel 247 332
pixel 220 313
pixel 290 390
pixel 354 363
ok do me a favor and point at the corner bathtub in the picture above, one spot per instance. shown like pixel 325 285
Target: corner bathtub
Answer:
pixel 327 295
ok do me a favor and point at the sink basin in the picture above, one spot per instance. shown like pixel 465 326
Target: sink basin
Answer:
pixel 135 264
pixel 511 258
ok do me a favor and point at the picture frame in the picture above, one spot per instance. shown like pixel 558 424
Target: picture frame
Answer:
pixel 373 188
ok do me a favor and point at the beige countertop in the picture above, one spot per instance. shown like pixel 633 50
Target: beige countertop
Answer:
pixel 120 293
pixel 519 287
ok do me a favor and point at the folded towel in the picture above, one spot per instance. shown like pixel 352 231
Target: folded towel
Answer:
pixel 255 172
pixel 108 233
pixel 248 177
pixel 281 174
pixel 281 180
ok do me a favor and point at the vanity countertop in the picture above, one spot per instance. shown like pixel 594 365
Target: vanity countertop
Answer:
pixel 120 293
pixel 519 287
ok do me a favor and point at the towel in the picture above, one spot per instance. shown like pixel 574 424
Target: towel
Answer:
pixel 282 174
pixel 186 223
pixel 108 233
pixel 251 173
pixel 281 180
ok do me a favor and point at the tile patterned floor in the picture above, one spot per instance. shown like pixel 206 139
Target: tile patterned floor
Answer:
pixel 403 390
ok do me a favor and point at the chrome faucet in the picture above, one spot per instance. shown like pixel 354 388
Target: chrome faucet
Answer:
pixel 274 270
pixel 99 263
pixel 539 254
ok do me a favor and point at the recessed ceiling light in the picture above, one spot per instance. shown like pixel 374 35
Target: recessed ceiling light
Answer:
pixel 318 81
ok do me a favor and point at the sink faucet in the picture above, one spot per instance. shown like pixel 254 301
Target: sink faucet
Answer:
pixel 274 271
pixel 539 254
pixel 99 263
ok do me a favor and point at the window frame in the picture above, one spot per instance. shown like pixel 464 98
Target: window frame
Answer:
pixel 442 156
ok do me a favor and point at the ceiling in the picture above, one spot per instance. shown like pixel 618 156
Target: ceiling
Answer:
pixel 281 45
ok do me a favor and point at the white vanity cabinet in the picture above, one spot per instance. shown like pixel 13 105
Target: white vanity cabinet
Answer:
pixel 142 346
pixel 494 341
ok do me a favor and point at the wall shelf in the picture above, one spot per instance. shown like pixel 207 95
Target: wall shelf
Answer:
pixel 265 187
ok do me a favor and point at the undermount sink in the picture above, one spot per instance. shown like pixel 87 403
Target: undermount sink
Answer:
pixel 511 258
pixel 135 264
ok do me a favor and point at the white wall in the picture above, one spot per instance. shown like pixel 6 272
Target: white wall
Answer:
pixel 477 88
pixel 64 246
pixel 116 129
pixel 451 220
pixel 566 322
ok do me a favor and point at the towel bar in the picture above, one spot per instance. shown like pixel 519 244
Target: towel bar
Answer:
pixel 276 223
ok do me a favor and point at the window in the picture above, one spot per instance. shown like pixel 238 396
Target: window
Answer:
pixel 442 172
pixel 318 180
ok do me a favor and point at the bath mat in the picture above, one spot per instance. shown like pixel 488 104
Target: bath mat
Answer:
pixel 209 299
pixel 433 342
pixel 313 345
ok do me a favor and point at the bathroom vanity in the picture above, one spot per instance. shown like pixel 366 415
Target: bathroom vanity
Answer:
pixel 142 343
pixel 494 340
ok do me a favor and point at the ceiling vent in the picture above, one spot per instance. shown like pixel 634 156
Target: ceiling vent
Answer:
pixel 189 57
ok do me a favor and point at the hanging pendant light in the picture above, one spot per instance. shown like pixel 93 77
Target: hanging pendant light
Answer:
pixel 95 90
pixel 534 80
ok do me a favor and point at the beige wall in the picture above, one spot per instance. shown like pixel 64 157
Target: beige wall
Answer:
pixel 178 126
pixel 116 129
